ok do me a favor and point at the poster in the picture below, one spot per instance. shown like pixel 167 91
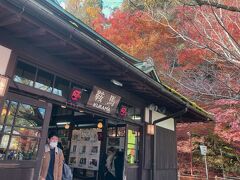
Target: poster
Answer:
pixel 85 149
pixel 117 142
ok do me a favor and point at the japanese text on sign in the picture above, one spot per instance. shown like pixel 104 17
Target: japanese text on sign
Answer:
pixel 103 100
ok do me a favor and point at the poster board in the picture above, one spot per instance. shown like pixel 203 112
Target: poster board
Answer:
pixel 116 142
pixel 85 149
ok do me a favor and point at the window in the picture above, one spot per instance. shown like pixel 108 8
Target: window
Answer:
pixel 44 81
pixel 133 146
pixel 134 113
pixel 20 130
pixel 40 79
pixel 116 131
pixel 25 74
pixel 61 87
pixel 121 131
pixel 137 114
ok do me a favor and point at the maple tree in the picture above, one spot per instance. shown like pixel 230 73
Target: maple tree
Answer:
pixel 209 55
pixel 135 34
pixel 86 10
pixel 196 48
pixel 223 158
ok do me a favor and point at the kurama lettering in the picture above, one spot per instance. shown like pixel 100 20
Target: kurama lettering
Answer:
pixel 102 107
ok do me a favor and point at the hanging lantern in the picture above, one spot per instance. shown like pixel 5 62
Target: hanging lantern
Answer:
pixel 123 112
pixel 150 129
pixel 67 126
pixel 100 125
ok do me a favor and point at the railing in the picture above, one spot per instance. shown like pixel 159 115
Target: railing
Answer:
pixel 189 177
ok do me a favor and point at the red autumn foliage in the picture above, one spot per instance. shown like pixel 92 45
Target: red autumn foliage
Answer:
pixel 137 35
pixel 202 61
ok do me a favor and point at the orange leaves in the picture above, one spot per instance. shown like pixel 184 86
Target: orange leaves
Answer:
pixel 84 10
pixel 93 12
pixel 190 58
pixel 136 34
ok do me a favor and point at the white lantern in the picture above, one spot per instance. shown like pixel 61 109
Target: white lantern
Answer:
pixel 150 129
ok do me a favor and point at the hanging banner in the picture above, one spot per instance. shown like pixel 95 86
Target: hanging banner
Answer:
pixel 103 100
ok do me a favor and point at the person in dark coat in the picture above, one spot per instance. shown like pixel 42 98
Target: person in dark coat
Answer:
pixel 114 164
pixel 119 163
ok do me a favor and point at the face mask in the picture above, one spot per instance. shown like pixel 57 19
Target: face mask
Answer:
pixel 53 145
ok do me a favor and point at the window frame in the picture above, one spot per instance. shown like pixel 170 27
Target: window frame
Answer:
pixel 55 76
pixel 39 139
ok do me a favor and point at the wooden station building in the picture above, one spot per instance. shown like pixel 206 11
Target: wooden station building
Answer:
pixel 58 74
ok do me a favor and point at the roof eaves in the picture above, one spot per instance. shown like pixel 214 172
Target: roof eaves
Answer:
pixel 123 55
pixel 77 23
pixel 146 79
pixel 191 103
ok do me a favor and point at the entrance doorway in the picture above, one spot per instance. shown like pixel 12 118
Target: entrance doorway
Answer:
pixel 85 139
pixel 133 154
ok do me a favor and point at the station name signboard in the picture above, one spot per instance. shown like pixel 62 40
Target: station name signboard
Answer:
pixel 103 100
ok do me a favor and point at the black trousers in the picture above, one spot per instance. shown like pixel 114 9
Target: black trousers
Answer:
pixel 109 176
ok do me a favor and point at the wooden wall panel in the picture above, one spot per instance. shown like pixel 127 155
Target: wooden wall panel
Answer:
pixel 16 174
pixel 165 154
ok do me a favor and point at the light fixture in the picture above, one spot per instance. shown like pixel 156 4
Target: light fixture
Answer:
pixel 63 106
pixel 117 83
pixel 62 123
pixel 86 125
pixel 150 129
pixel 100 125
pixel 66 126
pixel 42 100
pixel 136 118
pixel 84 89
pixel 3 85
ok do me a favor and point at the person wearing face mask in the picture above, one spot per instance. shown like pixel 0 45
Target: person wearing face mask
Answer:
pixel 52 163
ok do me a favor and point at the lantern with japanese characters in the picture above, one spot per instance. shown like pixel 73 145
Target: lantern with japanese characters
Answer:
pixel 123 112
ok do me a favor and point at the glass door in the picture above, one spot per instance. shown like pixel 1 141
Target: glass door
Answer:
pixel 132 154
pixel 23 130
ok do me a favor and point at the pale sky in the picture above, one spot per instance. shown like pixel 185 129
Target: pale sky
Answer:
pixel 108 5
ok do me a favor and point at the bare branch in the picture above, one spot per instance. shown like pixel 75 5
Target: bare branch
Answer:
pixel 217 5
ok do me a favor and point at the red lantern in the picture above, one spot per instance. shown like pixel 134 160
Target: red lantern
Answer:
pixel 76 95
pixel 123 111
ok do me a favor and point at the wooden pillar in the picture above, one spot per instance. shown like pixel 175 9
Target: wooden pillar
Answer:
pixel 103 155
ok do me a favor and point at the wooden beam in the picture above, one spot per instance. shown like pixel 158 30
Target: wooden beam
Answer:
pixel 31 33
pixel 9 20
pixel 83 61
pixel 51 43
pixel 116 76
pixel 101 67
pixel 108 73
pixel 65 53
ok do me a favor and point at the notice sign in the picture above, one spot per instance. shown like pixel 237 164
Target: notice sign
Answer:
pixel 103 100
pixel 203 150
